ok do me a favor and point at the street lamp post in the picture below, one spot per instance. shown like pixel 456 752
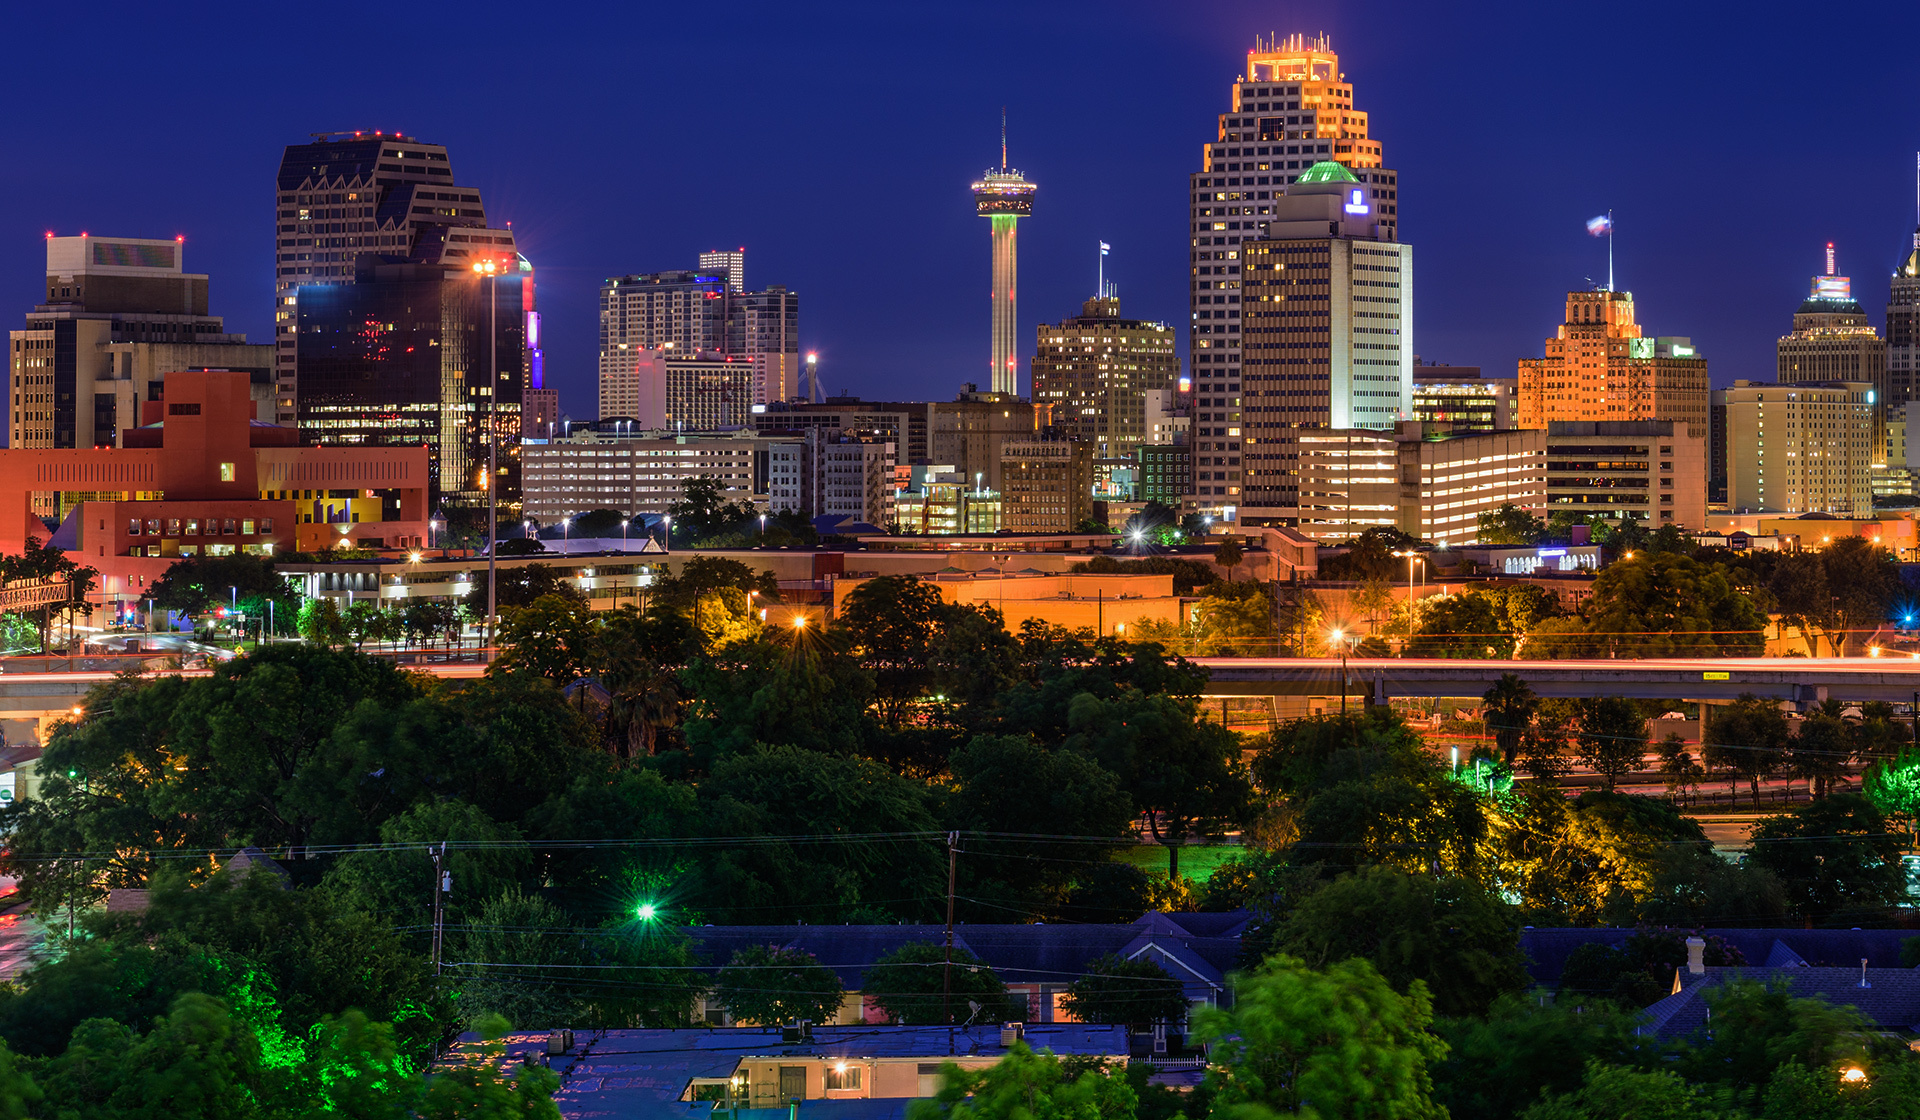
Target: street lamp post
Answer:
pixel 666 532
pixel 1411 556
pixel 763 530
pixel 490 269
pixel 1340 640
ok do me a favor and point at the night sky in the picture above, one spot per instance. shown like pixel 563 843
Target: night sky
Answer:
pixel 836 143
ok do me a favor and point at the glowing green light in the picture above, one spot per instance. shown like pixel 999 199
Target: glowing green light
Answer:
pixel 645 911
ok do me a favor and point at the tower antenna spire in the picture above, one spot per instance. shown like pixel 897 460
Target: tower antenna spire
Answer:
pixel 1003 137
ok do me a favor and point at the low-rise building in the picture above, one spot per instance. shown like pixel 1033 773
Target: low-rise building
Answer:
pixel 1106 603
pixel 1654 471
pixel 203 477
pixel 852 476
pixel 940 501
pixel 1428 482
pixel 614 465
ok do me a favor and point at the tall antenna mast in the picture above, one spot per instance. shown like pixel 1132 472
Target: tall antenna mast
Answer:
pixel 1003 137
pixel 1610 286
pixel 1916 199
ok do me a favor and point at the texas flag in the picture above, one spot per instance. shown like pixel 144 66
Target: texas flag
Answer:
pixel 1601 226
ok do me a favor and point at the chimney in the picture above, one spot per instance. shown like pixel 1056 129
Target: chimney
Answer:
pixel 1696 956
pixel 1863 973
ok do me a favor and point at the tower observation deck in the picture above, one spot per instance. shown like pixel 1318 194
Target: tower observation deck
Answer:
pixel 1004 196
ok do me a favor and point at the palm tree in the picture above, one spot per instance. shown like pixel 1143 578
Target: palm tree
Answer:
pixel 1228 556
pixel 1510 708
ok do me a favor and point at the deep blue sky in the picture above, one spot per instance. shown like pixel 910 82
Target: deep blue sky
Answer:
pixel 836 142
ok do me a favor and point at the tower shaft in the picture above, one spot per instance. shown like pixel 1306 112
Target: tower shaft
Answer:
pixel 1006 269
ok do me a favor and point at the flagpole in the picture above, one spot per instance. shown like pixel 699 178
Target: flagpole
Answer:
pixel 1610 250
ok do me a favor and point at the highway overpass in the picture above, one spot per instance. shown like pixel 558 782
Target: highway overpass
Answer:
pixel 1803 680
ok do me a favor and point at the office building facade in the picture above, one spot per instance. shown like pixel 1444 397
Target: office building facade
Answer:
pixel 349 198
pixel 1599 367
pixel 1832 340
pixel 1800 448
pixel 1165 470
pixel 672 390
pixel 1427 482
pixel 1903 329
pixel 607 466
pixel 1290 110
pixel 1047 485
pixel 939 501
pixel 703 311
pixel 852 476
pixel 1653 471
pixel 400 357
pixel 1459 397
pixel 1097 373
pixel 1328 341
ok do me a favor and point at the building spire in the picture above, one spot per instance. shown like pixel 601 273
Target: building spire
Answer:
pixel 1003 137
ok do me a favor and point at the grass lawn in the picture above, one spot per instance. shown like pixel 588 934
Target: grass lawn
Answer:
pixel 1196 861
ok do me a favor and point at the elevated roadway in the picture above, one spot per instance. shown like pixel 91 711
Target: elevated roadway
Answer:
pixel 1800 679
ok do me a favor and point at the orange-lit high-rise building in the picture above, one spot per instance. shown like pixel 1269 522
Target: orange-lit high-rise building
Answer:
pixel 1291 108
pixel 1600 367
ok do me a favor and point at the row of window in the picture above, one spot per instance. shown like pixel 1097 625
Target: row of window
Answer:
pixel 191 527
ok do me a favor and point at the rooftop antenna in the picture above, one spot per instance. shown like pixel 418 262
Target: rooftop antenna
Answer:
pixel 1829 258
pixel 1916 199
pixel 1003 137
pixel 1102 292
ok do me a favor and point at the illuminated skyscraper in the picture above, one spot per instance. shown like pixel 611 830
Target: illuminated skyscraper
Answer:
pixel 1290 109
pixel 1097 370
pixel 358 198
pixel 1903 324
pixel 1832 341
pixel 1005 197
pixel 1598 366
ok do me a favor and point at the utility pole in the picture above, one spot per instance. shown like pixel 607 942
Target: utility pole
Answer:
pixel 946 969
pixel 442 883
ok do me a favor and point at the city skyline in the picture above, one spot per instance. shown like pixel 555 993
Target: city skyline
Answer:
pixel 1715 270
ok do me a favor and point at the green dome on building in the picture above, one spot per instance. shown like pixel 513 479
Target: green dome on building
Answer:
pixel 1326 171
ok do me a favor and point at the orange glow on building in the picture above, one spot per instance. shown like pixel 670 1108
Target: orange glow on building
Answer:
pixel 1600 367
pixel 202 476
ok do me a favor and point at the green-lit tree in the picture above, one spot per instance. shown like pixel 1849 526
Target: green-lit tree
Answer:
pixel 1339 1042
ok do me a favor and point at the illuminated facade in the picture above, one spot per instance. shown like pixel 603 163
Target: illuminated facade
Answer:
pixel 196 474
pixel 1327 327
pixel 1599 367
pixel 1832 341
pixel 1097 371
pixel 1903 329
pixel 1291 109
pixel 1458 397
pixel 119 313
pixel 1047 485
pixel 351 198
pixel 1004 197
pixel 399 358
pixel 1803 448
pixel 694 311
pixel 609 466
pixel 1428 483
pixel 940 501
pixel 1654 471
pixel 680 391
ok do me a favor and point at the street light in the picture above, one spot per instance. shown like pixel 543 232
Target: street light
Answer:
pixel 666 531
pixel 763 530
pixel 1339 639
pixel 1411 556
pixel 490 269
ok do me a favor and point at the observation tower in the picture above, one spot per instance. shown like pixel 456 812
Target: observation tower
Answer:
pixel 1005 196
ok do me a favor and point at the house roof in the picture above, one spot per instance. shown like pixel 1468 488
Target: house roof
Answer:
pixel 1197 949
pixel 1890 997
pixel 1548 949
pixel 641 1074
